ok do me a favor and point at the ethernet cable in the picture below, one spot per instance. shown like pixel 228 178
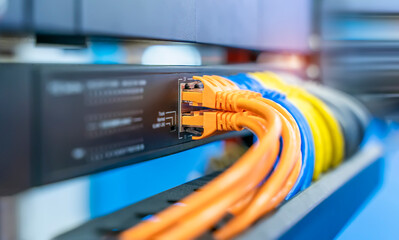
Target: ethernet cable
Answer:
pixel 337 138
pixel 330 130
pixel 256 159
pixel 346 120
pixel 319 134
pixel 266 198
pixel 307 143
pixel 335 130
pixel 250 164
pixel 237 101
pixel 278 184
pixel 243 190
pixel 207 216
pixel 354 113
pixel 318 128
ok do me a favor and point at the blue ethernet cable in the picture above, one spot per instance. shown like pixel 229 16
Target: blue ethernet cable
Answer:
pixel 245 82
pixel 307 146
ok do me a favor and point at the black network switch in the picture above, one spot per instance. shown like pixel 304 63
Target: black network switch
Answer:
pixel 63 121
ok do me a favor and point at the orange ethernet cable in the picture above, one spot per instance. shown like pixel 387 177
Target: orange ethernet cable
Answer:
pixel 236 226
pixel 255 200
pixel 209 214
pixel 244 81
pixel 277 186
pixel 232 176
pixel 322 138
pixel 274 190
pixel 202 191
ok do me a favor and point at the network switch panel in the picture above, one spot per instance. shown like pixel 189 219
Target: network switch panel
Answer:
pixel 65 121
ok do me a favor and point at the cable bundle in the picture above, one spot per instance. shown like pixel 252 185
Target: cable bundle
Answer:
pixel 298 138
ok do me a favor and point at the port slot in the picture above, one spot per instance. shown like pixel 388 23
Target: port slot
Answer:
pixel 186 107
pixel 193 130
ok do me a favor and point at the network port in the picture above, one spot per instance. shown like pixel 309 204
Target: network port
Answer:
pixel 187 108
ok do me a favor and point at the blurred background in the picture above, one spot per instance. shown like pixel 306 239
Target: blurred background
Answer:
pixel 352 45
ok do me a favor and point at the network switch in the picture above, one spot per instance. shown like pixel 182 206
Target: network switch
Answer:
pixel 64 121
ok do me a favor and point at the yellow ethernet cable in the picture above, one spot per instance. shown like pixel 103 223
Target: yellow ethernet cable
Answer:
pixel 318 132
pixel 331 151
pixel 297 96
pixel 335 131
